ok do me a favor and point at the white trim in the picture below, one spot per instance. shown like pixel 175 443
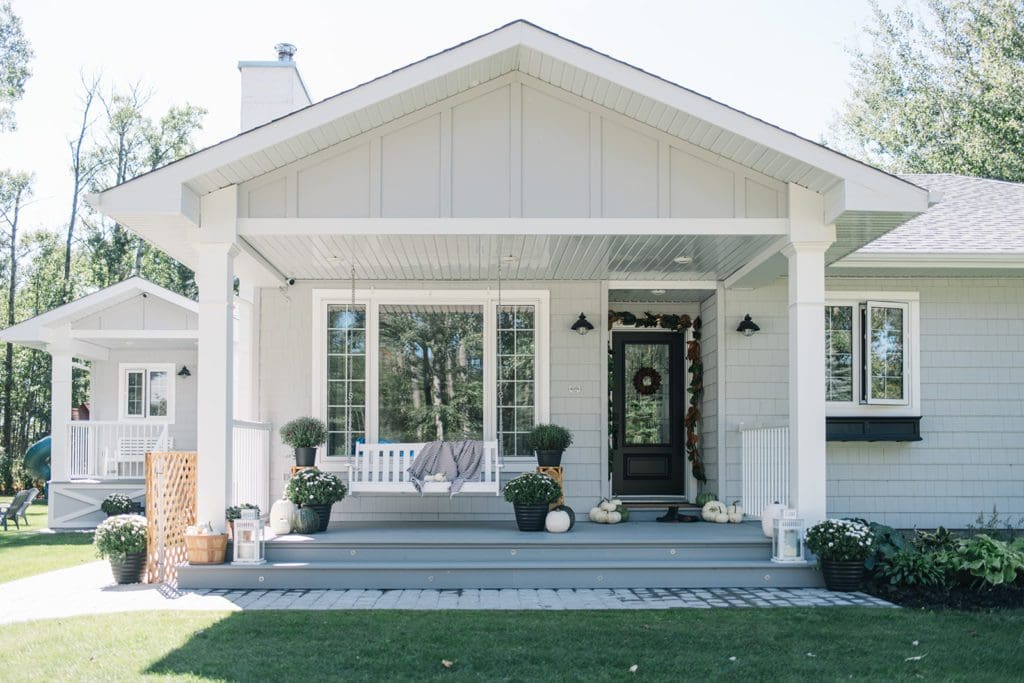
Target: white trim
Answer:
pixel 372 299
pixel 870 306
pixel 682 285
pixel 911 355
pixel 134 334
pixel 903 260
pixel 122 387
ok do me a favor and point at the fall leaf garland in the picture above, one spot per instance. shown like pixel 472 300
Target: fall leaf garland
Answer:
pixel 679 323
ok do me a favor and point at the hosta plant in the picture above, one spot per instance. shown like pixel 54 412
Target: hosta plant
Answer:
pixel 532 488
pixel 313 487
pixel 841 540
pixel 119 536
pixel 913 569
pixel 989 560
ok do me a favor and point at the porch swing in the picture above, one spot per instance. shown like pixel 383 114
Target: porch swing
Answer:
pixel 384 468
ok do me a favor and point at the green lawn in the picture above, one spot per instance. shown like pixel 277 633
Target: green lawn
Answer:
pixel 27 552
pixel 687 644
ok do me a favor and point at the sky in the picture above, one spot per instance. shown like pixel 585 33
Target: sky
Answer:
pixel 785 61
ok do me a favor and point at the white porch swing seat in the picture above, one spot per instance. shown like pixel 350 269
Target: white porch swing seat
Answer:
pixel 384 468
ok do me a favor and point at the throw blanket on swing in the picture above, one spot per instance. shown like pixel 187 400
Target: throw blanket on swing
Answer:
pixel 456 460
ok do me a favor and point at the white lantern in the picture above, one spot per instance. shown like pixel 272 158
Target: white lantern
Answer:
pixel 249 545
pixel 788 539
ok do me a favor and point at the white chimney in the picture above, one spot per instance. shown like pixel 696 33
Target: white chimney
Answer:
pixel 271 89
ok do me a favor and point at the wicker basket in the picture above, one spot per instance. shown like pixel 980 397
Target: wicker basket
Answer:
pixel 206 548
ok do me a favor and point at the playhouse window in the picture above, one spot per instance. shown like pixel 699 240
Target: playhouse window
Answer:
pixel 146 392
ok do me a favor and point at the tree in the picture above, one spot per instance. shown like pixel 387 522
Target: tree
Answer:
pixel 84 167
pixel 15 190
pixel 940 91
pixel 15 54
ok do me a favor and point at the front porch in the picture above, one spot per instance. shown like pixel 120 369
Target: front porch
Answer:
pixel 489 555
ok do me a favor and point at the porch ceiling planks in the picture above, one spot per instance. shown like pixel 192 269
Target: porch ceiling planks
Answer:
pixel 541 257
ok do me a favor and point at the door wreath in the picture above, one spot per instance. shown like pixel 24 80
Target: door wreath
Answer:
pixel 647 381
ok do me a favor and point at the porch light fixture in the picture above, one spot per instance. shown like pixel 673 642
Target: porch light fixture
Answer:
pixel 657 292
pixel 747 326
pixel 184 372
pixel 788 541
pixel 683 260
pixel 582 326
pixel 250 547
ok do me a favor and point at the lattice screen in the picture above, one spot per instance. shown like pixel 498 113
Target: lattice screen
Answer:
pixel 170 509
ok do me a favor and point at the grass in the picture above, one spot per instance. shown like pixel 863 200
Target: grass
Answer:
pixel 732 644
pixel 28 552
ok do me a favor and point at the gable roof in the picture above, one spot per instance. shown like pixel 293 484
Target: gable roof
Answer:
pixel 36 332
pixel 977 223
pixel 857 196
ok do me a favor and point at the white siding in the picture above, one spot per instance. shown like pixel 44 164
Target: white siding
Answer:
pixel 481 156
pixel 140 313
pixel 338 187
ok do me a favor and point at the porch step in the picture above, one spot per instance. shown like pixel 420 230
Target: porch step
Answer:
pixel 639 554
pixel 495 575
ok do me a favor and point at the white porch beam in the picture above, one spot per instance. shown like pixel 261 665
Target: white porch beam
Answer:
pixel 84 349
pixel 810 238
pixel 760 270
pixel 60 411
pixel 215 277
pixel 669 285
pixel 513 226
pixel 134 334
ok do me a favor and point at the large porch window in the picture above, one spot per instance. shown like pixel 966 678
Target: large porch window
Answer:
pixel 413 366
pixel 146 392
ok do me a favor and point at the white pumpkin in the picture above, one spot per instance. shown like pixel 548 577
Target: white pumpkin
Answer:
pixel 722 517
pixel 712 509
pixel 602 516
pixel 614 517
pixel 608 506
pixel 594 513
pixel 281 513
pixel 768 516
pixel 735 512
pixel 616 502
pixel 557 521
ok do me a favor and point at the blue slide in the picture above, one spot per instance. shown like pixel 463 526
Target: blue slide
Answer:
pixel 37 459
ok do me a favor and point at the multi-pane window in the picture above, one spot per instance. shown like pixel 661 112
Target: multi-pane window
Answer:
pixel 146 392
pixel 517 339
pixel 346 378
pixel 865 353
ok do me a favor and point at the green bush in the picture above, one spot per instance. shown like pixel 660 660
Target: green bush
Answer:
pixel 304 432
pixel 532 488
pixel 119 536
pixel 887 542
pixel 235 511
pixel 313 487
pixel 942 539
pixel 910 568
pixel 990 561
pixel 548 437
pixel 117 504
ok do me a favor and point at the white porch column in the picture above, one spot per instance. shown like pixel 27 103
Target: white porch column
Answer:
pixel 810 237
pixel 215 278
pixel 60 411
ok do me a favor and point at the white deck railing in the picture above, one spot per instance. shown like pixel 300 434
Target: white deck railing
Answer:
pixel 250 464
pixel 113 450
pixel 765 467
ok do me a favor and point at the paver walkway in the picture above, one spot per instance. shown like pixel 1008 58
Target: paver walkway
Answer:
pixel 88 589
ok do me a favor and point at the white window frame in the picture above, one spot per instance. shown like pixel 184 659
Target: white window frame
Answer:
pixel 373 299
pixel 145 369
pixel 910 405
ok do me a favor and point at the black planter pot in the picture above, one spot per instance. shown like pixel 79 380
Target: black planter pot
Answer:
pixel 323 511
pixel 842 575
pixel 130 570
pixel 531 517
pixel 549 458
pixel 305 457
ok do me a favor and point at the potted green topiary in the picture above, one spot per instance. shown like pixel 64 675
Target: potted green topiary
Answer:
pixel 549 441
pixel 117 504
pixel 530 494
pixel 234 512
pixel 304 434
pixel 317 490
pixel 122 540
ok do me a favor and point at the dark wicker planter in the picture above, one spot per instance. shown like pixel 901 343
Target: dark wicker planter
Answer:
pixel 323 511
pixel 305 457
pixel 549 458
pixel 531 517
pixel 129 571
pixel 842 575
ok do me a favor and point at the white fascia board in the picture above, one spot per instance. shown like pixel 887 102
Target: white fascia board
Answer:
pixel 668 285
pixel 850 195
pixel 899 260
pixel 513 226
pixel 150 194
pixel 134 334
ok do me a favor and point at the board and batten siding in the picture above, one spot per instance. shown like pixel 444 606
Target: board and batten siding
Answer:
pixel 577 364
pixel 972 403
pixel 513 147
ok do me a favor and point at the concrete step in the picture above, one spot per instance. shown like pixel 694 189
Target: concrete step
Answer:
pixel 510 574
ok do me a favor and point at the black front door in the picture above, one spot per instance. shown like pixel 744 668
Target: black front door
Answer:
pixel 648 456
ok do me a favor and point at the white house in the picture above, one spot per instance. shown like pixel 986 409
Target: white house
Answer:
pixel 481 199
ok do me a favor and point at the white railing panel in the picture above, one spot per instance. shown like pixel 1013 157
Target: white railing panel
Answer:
pixel 113 450
pixel 250 464
pixel 765 467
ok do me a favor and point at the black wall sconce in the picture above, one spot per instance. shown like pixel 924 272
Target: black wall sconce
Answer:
pixel 582 326
pixel 747 326
pixel 184 372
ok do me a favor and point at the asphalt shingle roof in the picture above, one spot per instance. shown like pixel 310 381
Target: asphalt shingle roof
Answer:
pixel 973 216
